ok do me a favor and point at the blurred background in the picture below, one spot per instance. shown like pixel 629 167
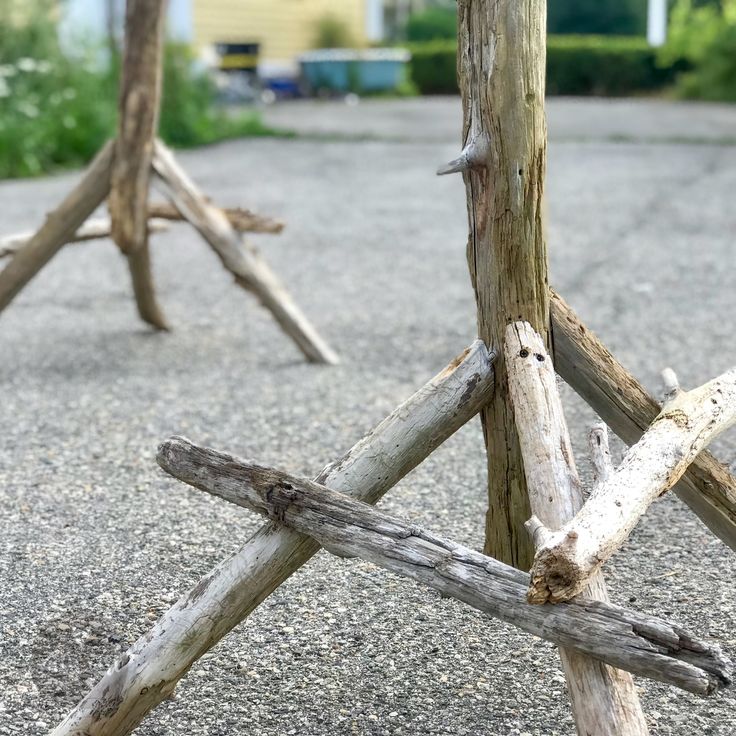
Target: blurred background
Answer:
pixel 226 59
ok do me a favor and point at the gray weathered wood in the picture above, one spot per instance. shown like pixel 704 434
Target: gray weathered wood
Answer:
pixel 349 528
pixel 148 672
pixel 604 699
pixel 59 227
pixel 501 67
pixel 688 422
pixel 243 260
pixel 622 403
pixel 93 229
pixel 140 92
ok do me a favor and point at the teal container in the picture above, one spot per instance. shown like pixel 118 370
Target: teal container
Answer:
pixel 347 70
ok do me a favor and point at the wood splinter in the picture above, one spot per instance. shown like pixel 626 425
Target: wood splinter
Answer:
pixel 688 422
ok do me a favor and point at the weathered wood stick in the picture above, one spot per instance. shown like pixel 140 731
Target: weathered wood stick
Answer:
pixel 243 260
pixel 93 229
pixel 240 219
pixel 59 227
pixel 604 699
pixel 564 564
pixel 351 528
pixel 501 71
pixel 148 672
pixel 138 108
pixel 622 403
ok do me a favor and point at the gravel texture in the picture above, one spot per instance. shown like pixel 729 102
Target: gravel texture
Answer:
pixel 95 542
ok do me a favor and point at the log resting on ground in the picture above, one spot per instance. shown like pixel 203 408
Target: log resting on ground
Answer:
pixel 640 644
pixel 148 672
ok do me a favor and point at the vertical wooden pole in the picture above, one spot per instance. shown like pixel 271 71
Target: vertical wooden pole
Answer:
pixel 501 67
pixel 140 93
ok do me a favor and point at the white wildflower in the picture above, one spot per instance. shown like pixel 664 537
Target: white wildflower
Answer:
pixel 28 109
pixel 43 67
pixel 7 70
pixel 4 89
pixel 69 93
pixel 26 64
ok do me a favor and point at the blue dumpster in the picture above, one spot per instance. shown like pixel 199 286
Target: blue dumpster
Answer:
pixel 354 70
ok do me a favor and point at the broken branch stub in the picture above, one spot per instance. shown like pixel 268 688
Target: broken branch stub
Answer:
pixel 350 528
pixel 148 672
pixel 686 424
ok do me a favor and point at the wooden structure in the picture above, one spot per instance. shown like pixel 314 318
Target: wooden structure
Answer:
pixel 538 517
pixel 122 172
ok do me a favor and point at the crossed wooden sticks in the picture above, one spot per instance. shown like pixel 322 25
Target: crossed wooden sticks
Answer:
pixel 305 514
pixel 121 173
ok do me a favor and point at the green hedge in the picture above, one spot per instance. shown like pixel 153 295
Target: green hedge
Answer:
pixel 576 65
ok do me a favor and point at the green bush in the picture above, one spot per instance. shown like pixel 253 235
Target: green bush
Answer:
pixel 432 24
pixel 56 111
pixel 603 65
pixel 608 17
pixel 433 67
pixel 332 32
pixel 576 65
pixel 706 38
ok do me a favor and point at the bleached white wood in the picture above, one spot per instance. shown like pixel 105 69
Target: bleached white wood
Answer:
pixel 242 259
pixel 148 672
pixel 94 229
pixel 684 427
pixel 350 528
pixel 604 699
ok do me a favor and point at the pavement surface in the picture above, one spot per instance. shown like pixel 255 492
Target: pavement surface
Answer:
pixel 95 541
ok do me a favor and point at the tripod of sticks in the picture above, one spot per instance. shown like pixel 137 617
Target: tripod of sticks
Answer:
pixel 514 386
pixel 121 173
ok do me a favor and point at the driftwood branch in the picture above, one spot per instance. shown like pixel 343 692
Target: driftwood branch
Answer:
pixel 351 528
pixel 622 403
pixel 148 672
pixel 686 424
pixel 501 73
pixel 604 699
pixel 243 260
pixel 240 219
pixel 140 92
pixel 95 228
pixel 59 228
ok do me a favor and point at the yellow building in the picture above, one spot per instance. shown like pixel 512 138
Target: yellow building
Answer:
pixel 283 28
